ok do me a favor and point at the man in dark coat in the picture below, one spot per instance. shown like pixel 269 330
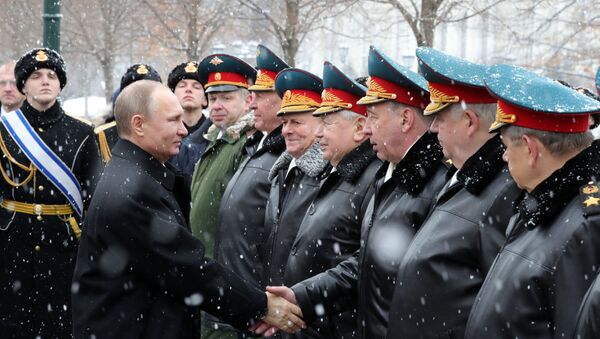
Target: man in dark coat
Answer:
pixel 539 278
pixel 241 218
pixel 405 188
pixel 588 317
pixel 449 257
pixel 330 230
pixel 39 221
pixel 296 174
pixel 140 272
pixel 184 81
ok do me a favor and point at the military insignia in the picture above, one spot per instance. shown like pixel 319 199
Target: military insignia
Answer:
pixel 590 189
pixel 216 61
pixel 591 201
pixel 41 56
pixel 142 69
pixel 257 51
pixel 191 67
pixel 217 76
pixel 287 95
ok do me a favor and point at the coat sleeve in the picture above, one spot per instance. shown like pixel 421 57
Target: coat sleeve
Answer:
pixel 321 291
pixel 574 273
pixel 165 254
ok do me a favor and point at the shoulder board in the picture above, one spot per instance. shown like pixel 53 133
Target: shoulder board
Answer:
pixel 85 121
pixel 104 127
pixel 590 198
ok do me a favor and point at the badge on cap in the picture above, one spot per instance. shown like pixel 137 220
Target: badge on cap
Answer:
pixel 142 69
pixel 41 56
pixel 590 189
pixel 217 76
pixel 191 67
pixel 216 61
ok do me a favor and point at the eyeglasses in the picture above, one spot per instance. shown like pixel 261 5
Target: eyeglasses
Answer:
pixel 11 83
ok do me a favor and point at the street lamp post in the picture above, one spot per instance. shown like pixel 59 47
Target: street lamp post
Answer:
pixel 52 18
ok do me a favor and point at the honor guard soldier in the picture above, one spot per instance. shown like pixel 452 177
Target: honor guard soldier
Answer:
pixel 447 261
pixel 551 255
pixel 107 133
pixel 241 218
pixel 184 81
pixel 49 168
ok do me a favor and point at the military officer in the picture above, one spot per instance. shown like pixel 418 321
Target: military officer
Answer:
pixel 49 167
pixel 405 188
pixel 448 259
pixel 546 265
pixel 107 132
pixel 241 218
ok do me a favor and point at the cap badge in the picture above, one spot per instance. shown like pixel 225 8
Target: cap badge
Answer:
pixel 41 56
pixel 142 69
pixel 590 189
pixel 287 95
pixel 191 67
pixel 216 61
pixel 217 76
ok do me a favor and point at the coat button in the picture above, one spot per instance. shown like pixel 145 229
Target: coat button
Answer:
pixel 40 129
pixel 311 209
pixel 37 248
pixel 40 188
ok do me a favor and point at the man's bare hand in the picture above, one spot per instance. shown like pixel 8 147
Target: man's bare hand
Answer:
pixel 284 292
pixel 283 314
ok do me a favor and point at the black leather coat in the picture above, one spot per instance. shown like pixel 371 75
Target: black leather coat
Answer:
pixel 449 257
pixel 291 194
pixel 140 272
pixel 548 262
pixel 588 317
pixel 330 233
pixel 37 257
pixel 398 208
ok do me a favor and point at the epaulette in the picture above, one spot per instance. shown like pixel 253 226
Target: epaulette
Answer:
pixel 102 142
pixel 105 126
pixel 590 199
pixel 84 120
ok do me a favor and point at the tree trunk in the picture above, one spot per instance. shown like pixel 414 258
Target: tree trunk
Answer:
pixel 290 44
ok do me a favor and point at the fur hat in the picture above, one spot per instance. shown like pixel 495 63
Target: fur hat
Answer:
pixel 186 70
pixel 36 59
pixel 139 72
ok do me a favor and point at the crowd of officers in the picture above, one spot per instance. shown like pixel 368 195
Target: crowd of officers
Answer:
pixel 458 202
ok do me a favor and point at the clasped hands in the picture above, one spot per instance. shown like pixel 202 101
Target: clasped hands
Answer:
pixel 283 313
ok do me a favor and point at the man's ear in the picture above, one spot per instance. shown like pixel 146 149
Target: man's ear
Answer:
pixel 137 125
pixel 533 149
pixel 472 120
pixel 407 115
pixel 358 129
pixel 248 101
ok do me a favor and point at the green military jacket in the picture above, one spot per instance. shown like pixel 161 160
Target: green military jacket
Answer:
pixel 211 175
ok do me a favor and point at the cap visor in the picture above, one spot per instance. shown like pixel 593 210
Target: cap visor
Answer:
pixel 435 107
pixel 222 88
pixel 368 100
pixel 326 110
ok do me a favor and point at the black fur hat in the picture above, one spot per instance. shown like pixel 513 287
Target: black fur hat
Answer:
pixel 139 72
pixel 37 59
pixel 186 70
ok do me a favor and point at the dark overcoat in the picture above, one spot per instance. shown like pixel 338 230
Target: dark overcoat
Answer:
pixel 140 272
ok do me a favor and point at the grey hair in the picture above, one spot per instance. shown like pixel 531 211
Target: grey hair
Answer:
pixel 136 98
pixel 348 114
pixel 397 107
pixel 485 112
pixel 555 142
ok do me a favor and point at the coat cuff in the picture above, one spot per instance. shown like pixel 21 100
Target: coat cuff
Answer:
pixel 306 305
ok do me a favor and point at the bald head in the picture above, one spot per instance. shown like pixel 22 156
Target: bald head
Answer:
pixel 136 98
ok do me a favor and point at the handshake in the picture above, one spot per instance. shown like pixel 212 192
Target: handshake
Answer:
pixel 283 313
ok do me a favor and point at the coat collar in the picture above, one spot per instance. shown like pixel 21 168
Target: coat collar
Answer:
pixel 234 132
pixel 483 166
pixel 37 118
pixel 417 167
pixel 554 193
pixel 310 163
pixel 354 163
pixel 274 142
pixel 130 152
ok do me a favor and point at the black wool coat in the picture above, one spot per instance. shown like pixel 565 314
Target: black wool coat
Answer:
pixel 395 212
pixel 546 265
pixel 449 257
pixel 140 272
pixel 330 234
pixel 37 257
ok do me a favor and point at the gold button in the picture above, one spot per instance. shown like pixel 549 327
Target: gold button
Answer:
pixel 39 218
pixel 37 248
pixel 40 188
pixel 40 129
